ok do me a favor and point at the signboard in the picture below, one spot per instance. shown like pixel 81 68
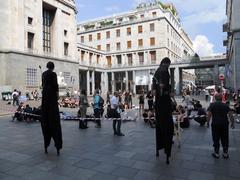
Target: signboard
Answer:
pixel 141 80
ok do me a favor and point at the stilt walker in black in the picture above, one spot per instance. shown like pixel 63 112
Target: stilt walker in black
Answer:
pixel 50 121
pixel 163 109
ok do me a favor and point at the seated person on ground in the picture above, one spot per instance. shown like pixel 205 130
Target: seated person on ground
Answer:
pixel 28 109
pixel 182 117
pixel 201 115
pixel 18 112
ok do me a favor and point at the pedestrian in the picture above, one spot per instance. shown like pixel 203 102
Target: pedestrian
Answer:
pixel 15 96
pixel 108 98
pixel 163 109
pixel 126 100
pixel 83 105
pixel 218 112
pixel 115 113
pixel 50 122
pixel 97 107
pixel 150 100
pixel 141 101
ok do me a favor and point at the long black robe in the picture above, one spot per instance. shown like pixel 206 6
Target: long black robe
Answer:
pixel 163 109
pixel 50 122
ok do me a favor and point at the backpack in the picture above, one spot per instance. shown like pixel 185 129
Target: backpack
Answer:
pixel 101 101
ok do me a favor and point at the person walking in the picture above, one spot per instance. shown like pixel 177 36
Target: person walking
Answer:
pixel 15 96
pixel 97 105
pixel 163 109
pixel 219 112
pixel 115 113
pixel 50 122
pixel 150 100
pixel 83 105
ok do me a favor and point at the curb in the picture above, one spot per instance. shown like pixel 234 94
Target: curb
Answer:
pixel 6 114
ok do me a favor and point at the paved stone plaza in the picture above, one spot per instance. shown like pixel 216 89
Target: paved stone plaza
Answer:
pixel 97 154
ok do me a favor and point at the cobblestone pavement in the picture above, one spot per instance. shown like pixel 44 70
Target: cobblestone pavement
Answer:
pixel 96 154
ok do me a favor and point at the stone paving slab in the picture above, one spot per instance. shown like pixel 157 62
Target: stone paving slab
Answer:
pixel 93 154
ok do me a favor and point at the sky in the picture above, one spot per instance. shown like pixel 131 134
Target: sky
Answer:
pixel 201 19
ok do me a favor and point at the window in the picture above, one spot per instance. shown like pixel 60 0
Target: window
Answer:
pixel 168 28
pixel 98 36
pixel 47 22
pixel 30 40
pixel 66 49
pixel 98 59
pixel 129 57
pixel 168 42
pixel 152 41
pixel 82 39
pixel 30 20
pixel 31 77
pixel 118 46
pixel 142 16
pixel 90 58
pixel 141 58
pixel 140 43
pixel 99 47
pixel 65 32
pixel 119 59
pixel 108 47
pixel 129 31
pixel 152 27
pixel 90 37
pixel 82 55
pixel 67 77
pixel 153 57
pixel 154 13
pixel 108 34
pixel 109 61
pixel 129 44
pixel 118 33
pixel 140 30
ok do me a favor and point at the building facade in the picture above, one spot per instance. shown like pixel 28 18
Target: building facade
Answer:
pixel 126 49
pixel 33 32
pixel 232 27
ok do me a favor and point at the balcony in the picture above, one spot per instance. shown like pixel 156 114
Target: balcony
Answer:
pixel 225 42
pixel 225 27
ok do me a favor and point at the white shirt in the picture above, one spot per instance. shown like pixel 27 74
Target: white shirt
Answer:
pixel 114 102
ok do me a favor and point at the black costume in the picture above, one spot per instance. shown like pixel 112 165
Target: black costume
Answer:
pixel 163 109
pixel 50 122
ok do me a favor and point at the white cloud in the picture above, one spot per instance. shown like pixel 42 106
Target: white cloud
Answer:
pixel 202 46
pixel 112 9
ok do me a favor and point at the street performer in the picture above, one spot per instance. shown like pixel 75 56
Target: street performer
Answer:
pixel 163 109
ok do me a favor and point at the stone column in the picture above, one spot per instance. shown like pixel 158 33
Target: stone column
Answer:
pixel 126 77
pixel 149 80
pixel 113 83
pixel 134 80
pixel 93 82
pixel 106 81
pixel 146 59
pixel 88 83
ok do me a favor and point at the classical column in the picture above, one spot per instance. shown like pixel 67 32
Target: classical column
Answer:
pixel 93 82
pixel 88 82
pixel 149 80
pixel 126 80
pixel 106 81
pixel 113 82
pixel 146 59
pixel 134 82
